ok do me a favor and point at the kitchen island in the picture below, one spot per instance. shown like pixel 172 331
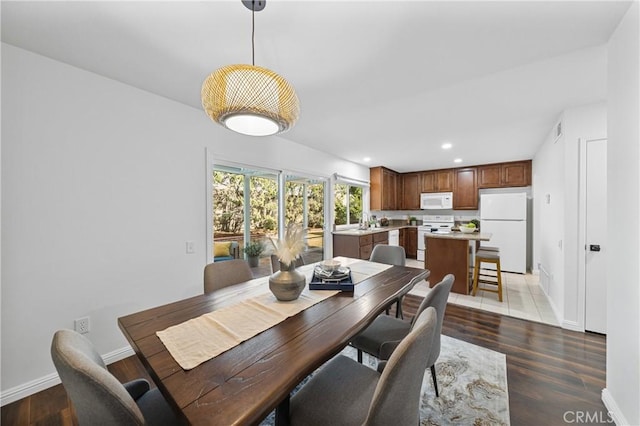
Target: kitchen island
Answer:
pixel 451 253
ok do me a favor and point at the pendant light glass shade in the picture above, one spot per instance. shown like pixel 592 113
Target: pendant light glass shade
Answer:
pixel 250 100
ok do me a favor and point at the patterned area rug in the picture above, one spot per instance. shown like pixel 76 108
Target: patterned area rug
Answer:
pixel 473 389
pixel 473 386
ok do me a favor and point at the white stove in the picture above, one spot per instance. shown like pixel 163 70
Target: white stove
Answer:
pixel 440 224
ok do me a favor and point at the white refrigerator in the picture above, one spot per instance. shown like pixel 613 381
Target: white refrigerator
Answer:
pixel 504 216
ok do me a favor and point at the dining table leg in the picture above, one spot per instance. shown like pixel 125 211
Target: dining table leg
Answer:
pixel 282 412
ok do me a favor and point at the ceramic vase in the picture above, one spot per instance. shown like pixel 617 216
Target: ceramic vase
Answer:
pixel 287 283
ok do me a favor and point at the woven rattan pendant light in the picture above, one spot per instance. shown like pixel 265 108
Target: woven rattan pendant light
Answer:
pixel 249 99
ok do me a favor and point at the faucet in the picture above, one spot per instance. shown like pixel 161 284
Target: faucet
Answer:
pixel 364 223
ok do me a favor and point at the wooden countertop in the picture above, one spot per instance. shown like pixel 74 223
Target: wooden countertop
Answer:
pixel 457 235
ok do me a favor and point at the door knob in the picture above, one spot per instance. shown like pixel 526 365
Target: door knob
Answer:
pixel 594 247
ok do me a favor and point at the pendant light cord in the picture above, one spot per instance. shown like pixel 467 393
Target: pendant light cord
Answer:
pixel 253 31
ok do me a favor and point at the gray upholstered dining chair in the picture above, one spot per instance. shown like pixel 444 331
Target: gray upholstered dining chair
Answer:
pixel 385 333
pixel 345 392
pixel 97 396
pixel 391 255
pixel 218 275
pixel 275 263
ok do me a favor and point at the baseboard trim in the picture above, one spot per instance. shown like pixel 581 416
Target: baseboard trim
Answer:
pixel 27 389
pixel 553 305
pixel 614 410
pixel 572 325
pixel 118 354
pixel 34 386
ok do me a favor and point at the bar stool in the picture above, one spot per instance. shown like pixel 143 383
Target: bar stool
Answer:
pixel 487 257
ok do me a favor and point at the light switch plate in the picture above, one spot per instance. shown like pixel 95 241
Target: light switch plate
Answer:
pixel 190 247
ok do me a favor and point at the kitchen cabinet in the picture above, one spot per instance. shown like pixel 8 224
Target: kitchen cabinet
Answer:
pixel 411 191
pixel 501 175
pixel 437 181
pixel 380 238
pixel 465 190
pixel 490 176
pixel 399 183
pixel 516 173
pixel 411 242
pixel 355 246
pixel 402 238
pixel 384 188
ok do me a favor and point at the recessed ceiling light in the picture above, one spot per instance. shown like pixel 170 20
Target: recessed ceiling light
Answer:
pixel 366 159
pixel 458 160
pixel 446 145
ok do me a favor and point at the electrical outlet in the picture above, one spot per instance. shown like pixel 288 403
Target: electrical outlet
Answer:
pixel 81 325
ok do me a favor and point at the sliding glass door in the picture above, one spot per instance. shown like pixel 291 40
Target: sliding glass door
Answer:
pixel 245 206
pixel 305 206
pixel 250 204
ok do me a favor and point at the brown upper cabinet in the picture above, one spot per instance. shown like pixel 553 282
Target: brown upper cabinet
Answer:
pixel 410 191
pixel 384 188
pixel 465 190
pixel 437 181
pixel 516 173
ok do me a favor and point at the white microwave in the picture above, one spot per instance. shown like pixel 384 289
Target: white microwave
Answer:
pixel 436 200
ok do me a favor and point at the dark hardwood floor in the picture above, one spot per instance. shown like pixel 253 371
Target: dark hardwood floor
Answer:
pixel 554 375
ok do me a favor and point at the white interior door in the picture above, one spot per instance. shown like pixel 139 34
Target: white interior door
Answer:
pixel 595 237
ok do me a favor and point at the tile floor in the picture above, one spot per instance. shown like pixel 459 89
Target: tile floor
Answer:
pixel 522 297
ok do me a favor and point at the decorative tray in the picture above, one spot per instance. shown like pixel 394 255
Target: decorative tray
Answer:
pixel 339 279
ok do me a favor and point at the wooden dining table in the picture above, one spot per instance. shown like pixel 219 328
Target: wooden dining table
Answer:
pixel 245 383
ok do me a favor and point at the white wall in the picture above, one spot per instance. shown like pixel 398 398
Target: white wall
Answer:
pixel 102 185
pixel 622 395
pixel 548 209
pixel 555 198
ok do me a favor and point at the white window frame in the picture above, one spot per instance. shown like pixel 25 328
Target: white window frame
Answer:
pixel 345 180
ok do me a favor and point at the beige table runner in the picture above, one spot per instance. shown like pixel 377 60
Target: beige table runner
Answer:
pixel 200 339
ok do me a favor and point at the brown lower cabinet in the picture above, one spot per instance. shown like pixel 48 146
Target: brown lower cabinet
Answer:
pixel 411 242
pixel 358 246
pixel 380 238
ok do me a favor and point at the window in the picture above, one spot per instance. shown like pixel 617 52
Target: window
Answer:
pixel 348 204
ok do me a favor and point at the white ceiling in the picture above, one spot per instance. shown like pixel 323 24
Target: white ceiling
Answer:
pixel 391 80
